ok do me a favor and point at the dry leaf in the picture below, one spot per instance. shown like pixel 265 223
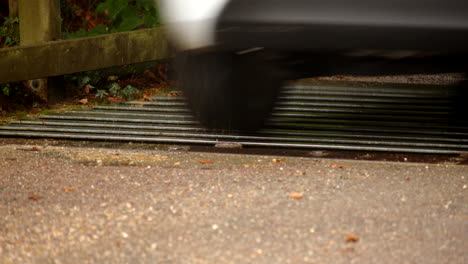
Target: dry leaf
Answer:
pixel 352 239
pixel 146 98
pixel 114 99
pixel 34 197
pixel 277 160
pixel 461 217
pixel 205 161
pixel 83 101
pixel 120 244
pixel 184 190
pixel 295 195
pixel 149 74
pixel 338 166
pixel 70 189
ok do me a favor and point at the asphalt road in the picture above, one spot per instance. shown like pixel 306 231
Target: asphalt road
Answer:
pixel 102 205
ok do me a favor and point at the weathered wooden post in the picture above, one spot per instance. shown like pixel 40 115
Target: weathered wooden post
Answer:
pixel 13 8
pixel 40 22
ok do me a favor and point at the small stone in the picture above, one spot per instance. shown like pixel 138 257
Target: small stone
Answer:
pixel 215 227
pixel 124 235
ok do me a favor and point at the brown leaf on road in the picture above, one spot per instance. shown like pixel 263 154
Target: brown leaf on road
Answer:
pixel 83 101
pixel 460 217
pixel 295 195
pixel 206 161
pixel 70 189
pixel 352 239
pixel 339 166
pixel 34 197
pixel 277 160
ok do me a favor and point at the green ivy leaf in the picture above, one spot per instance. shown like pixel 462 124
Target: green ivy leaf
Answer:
pixel 130 20
pixel 114 89
pixel 114 7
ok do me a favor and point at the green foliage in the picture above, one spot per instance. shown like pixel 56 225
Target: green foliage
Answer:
pixel 130 92
pixel 122 15
pixel 114 89
pixel 100 94
pixel 84 78
pixel 86 81
pixel 6 89
pixel 9 32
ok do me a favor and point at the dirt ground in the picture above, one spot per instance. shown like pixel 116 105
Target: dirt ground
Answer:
pixel 62 204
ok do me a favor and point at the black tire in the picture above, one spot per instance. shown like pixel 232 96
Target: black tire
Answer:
pixel 227 91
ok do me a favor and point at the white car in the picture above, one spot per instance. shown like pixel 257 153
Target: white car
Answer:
pixel 233 55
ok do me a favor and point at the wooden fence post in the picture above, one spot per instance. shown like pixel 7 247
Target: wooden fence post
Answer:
pixel 40 22
pixel 13 8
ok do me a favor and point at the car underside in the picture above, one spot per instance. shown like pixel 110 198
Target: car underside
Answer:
pixel 233 70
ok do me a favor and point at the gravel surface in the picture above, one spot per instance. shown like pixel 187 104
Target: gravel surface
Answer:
pixel 103 205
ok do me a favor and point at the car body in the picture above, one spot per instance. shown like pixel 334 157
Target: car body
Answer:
pixel 256 44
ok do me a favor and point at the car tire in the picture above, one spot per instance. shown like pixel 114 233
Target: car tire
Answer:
pixel 227 91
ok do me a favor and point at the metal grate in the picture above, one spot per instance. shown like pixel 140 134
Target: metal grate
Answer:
pixel 398 119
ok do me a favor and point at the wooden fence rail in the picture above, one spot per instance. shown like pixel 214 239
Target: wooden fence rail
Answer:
pixel 76 55
pixel 41 54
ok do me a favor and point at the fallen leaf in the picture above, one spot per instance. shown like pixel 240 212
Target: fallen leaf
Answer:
pixel 83 101
pixel 149 74
pixel 114 99
pixel 352 239
pixel 338 166
pixel 461 217
pixel 184 190
pixel 176 163
pixel 119 244
pixel 146 98
pixel 407 178
pixel 300 173
pixel 70 189
pixel 205 161
pixel 277 160
pixel 34 197
pixel 295 195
